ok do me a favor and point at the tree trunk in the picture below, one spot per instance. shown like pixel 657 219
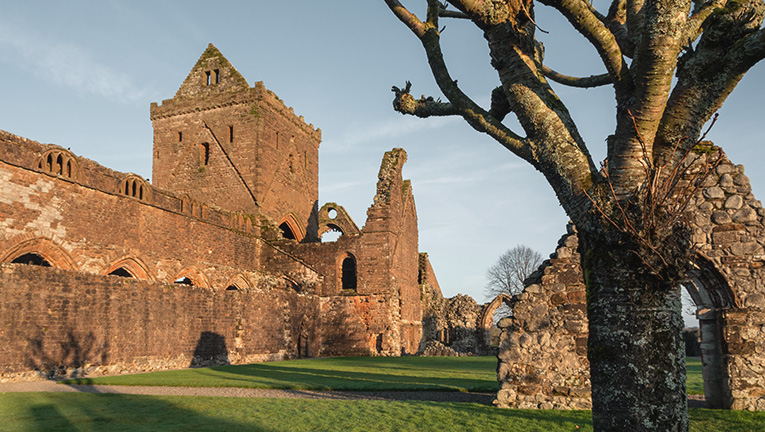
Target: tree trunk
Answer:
pixel 636 354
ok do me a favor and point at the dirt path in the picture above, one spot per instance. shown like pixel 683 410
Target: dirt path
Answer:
pixel 694 401
pixel 436 396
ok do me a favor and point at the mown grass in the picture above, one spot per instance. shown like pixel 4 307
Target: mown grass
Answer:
pixel 694 382
pixel 115 412
pixel 348 373
pixel 343 373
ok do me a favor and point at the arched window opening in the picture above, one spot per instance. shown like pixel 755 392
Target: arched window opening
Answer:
pixel 49 166
pixel 184 281
pixel 348 277
pixel 287 231
pixel 59 165
pixel 32 259
pixel 69 169
pixel 121 272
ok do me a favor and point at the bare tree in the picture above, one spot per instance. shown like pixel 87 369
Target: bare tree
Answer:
pixel 634 242
pixel 511 269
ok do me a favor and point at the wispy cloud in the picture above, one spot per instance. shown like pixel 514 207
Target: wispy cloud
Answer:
pixel 64 64
pixel 358 133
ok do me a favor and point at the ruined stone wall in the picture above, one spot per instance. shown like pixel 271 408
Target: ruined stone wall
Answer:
pixel 95 229
pixel 543 363
pixel 55 321
pixel 543 345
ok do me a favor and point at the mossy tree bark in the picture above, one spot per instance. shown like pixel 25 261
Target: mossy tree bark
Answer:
pixel 635 244
pixel 635 344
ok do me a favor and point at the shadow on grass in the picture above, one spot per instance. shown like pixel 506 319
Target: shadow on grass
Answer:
pixel 111 412
pixel 354 373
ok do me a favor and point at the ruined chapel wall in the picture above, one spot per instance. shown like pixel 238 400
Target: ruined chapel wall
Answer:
pixel 543 345
pixel 728 226
pixel 96 229
pixel 54 318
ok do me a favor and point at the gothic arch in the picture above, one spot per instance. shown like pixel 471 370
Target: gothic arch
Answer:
pixel 714 299
pixel 194 276
pixel 59 161
pixel 131 265
pixel 45 248
pixel 136 187
pixel 291 228
pixel 488 312
pixel 238 283
pixel 333 217
pixel 348 279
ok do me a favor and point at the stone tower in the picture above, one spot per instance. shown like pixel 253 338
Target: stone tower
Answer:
pixel 224 143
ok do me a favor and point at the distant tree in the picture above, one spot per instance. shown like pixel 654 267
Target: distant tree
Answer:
pixel 511 269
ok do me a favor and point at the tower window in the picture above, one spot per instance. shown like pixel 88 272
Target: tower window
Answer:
pixel 217 76
pixel 230 134
pixel 207 76
pixel 204 155
pixel 180 136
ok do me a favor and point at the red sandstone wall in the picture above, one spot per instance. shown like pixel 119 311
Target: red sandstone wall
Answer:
pixel 96 228
pixel 52 318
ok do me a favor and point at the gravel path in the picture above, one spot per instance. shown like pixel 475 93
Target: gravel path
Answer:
pixel 694 401
pixel 436 396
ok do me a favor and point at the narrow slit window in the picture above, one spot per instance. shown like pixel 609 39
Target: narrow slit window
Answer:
pixel 205 156
pixel 180 136
pixel 217 76
pixel 207 75
pixel 230 134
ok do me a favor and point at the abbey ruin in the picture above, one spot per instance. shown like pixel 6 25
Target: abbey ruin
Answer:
pixel 218 260
pixel 543 350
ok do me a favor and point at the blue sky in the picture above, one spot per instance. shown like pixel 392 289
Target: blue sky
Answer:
pixel 82 75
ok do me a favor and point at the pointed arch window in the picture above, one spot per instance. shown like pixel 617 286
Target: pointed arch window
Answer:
pixel 135 187
pixel 58 162
pixel 348 277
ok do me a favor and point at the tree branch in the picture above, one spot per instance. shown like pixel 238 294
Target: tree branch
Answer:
pixel 693 25
pixel 616 20
pixel 424 107
pixel 461 104
pixel 731 44
pixel 592 28
pixel 582 82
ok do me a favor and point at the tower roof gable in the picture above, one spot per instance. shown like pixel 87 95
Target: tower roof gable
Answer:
pixel 212 74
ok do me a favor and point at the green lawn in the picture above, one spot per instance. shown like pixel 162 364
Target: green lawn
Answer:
pixel 348 373
pixel 344 373
pixel 694 382
pixel 110 412
pixel 115 412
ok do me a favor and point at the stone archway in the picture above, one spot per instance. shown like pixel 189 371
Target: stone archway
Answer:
pixel 487 317
pixel 43 247
pixel 543 346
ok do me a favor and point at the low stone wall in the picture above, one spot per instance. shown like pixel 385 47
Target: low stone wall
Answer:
pixel 59 323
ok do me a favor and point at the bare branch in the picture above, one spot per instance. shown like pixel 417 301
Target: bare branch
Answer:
pixel 405 103
pixel 415 25
pixel 476 116
pixel 582 18
pixel 500 107
pixel 617 23
pixel 693 25
pixel 582 82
